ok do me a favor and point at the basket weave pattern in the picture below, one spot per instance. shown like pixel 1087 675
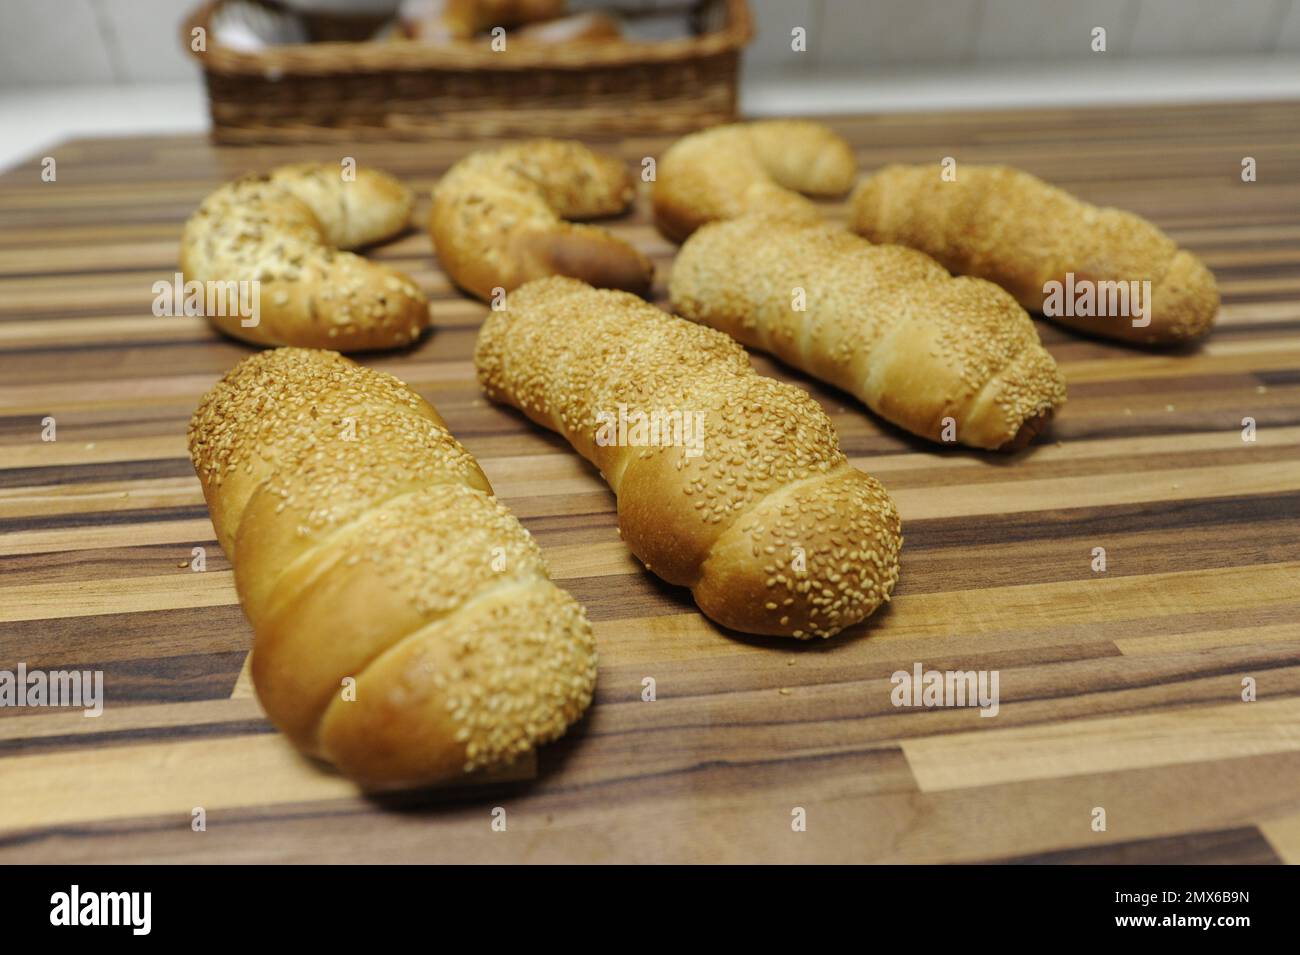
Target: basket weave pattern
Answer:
pixel 414 90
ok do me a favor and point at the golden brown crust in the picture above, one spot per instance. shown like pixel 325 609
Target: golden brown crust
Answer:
pixel 461 19
pixel 495 678
pixel 284 232
pixel 1011 228
pixel 1031 429
pixel 885 323
pixel 760 167
pixel 592 26
pixel 354 213
pixel 762 518
pixel 366 545
pixel 498 219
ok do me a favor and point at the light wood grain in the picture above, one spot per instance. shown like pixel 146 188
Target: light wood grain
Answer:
pixel 1090 747
pixel 170 780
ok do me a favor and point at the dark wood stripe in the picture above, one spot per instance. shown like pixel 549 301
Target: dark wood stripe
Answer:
pixel 1241 846
pixel 73 741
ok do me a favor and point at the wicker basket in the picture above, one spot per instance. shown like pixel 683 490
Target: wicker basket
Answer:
pixel 407 89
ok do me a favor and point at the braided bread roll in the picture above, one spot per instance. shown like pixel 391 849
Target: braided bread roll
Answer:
pixel 885 323
pixel 1012 228
pixel 284 231
pixel 729 171
pixel 768 524
pixel 367 544
pixel 499 218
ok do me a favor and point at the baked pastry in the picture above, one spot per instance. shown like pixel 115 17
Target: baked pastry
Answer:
pixel 406 630
pixel 887 324
pixel 441 20
pixel 1011 228
pixel 281 234
pixel 591 27
pixel 729 483
pixel 729 171
pixel 498 218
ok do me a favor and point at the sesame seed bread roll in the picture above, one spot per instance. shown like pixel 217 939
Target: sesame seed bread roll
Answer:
pixel 367 545
pixel 1012 228
pixel 729 171
pixel 763 518
pixel 498 219
pixel 284 231
pixel 885 323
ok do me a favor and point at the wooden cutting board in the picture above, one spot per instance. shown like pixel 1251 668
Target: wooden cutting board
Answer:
pixel 1119 690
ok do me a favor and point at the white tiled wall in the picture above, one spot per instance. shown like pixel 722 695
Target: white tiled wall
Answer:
pixel 92 42
pixel 41 41
pixel 1288 34
pixel 1181 27
pixel 1062 30
pixel 872 34
pixel 147 38
pixel 47 42
pixel 887 33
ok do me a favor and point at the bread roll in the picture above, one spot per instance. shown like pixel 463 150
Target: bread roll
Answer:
pixel 367 546
pixel 594 26
pixel 441 20
pixel 729 171
pixel 498 218
pixel 885 323
pixel 1011 228
pixel 283 231
pixel 748 501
